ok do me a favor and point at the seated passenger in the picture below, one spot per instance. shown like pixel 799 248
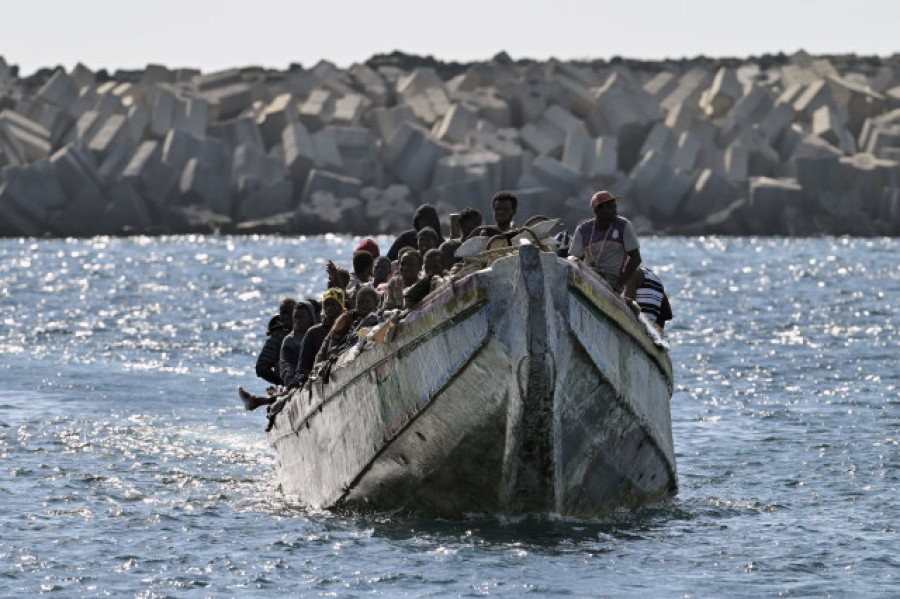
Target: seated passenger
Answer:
pixel 344 332
pixel 381 272
pixel 645 288
pixel 448 250
pixel 332 307
pixel 426 216
pixel 279 326
pixel 607 243
pixel 337 276
pixel 407 275
pixel 363 266
pixel 434 271
pixel 467 221
pixel 427 239
pixel 368 244
pixel 306 314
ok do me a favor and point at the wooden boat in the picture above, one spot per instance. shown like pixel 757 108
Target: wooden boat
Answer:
pixel 524 385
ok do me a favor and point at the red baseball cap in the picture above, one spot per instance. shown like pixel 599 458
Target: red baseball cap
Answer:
pixel 601 197
pixel 368 244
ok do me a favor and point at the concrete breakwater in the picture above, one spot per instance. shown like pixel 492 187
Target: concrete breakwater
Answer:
pixel 794 145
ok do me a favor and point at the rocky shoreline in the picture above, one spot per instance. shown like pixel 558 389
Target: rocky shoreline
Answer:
pixel 771 145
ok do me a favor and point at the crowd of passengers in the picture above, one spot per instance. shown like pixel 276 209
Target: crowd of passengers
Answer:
pixel 306 336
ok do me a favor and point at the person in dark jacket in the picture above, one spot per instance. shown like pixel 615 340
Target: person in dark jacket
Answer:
pixel 426 216
pixel 333 305
pixel 306 314
pixel 279 326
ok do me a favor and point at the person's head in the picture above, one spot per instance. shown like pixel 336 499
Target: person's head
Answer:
pixel 504 205
pixel 286 310
pixel 426 216
pixel 603 205
pixel 410 265
pixel 304 316
pixel 370 246
pixel 427 239
pixel 469 220
pixel 366 301
pixel 340 277
pixel 363 263
pixel 433 263
pixel 448 251
pixel 381 272
pixel 333 303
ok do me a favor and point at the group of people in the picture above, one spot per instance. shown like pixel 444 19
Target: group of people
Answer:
pixel 308 335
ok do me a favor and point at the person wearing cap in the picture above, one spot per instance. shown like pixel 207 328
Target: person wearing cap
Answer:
pixel 368 244
pixel 333 305
pixel 607 243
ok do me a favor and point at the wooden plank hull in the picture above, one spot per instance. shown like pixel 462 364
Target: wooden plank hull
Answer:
pixel 525 387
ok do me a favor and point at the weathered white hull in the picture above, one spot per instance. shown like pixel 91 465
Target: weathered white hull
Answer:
pixel 525 387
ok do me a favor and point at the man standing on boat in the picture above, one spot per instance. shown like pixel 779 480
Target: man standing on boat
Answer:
pixel 607 243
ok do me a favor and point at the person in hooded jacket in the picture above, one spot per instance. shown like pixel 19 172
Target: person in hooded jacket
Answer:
pixel 426 216
pixel 279 326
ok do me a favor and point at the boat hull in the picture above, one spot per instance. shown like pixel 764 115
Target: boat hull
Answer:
pixel 525 387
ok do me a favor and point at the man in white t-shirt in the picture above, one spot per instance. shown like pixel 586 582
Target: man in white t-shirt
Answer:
pixel 607 243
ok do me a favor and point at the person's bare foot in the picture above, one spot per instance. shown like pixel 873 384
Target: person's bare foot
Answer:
pixel 251 402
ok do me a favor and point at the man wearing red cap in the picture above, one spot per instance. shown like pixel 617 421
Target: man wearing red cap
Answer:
pixel 607 243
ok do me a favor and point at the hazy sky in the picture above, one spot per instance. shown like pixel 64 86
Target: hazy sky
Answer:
pixel 212 35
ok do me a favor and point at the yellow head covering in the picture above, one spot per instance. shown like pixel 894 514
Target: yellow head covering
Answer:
pixel 337 294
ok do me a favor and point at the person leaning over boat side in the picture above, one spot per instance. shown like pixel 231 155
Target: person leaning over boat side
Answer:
pixel 306 314
pixel 607 243
pixel 407 275
pixel 647 290
pixel 426 216
pixel 279 326
pixel 332 307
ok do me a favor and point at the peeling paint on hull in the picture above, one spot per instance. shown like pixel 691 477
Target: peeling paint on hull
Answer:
pixel 525 387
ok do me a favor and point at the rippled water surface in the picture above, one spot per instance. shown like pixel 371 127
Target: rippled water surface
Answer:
pixel 128 468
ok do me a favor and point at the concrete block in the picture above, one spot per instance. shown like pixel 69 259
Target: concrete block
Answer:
pixel 229 101
pixel 417 81
pixel 606 157
pixel 722 94
pixel 155 180
pixel 217 80
pixel 771 198
pixel 201 184
pixel 503 142
pixel 454 196
pixel 385 121
pixel 25 140
pixel 328 155
pixel 578 95
pixel 682 117
pixel 76 171
pixel 430 105
pixel 163 114
pixel 239 131
pixel 281 112
pixel 776 120
pixel 748 110
pixel 412 154
pixel 317 110
pixel 108 104
pixel 709 194
pixel 669 191
pixel 127 211
pixel 736 162
pixel 138 122
pixel 645 175
pixel 544 142
pixel 828 124
pixel 491 107
pixel 350 109
pixel 156 73
pixel 661 85
pixel 371 83
pixel 857 101
pixel 477 164
pixel 60 90
pixel 191 115
pixel 299 153
pixel 388 210
pixel 249 162
pixel 115 162
pixel 114 132
pixel 358 151
pixel 578 151
pixel 687 148
pixel 454 126
pixel 660 139
pixel 555 175
pixel 869 175
pixel 31 191
pixel 687 91
pixel 297 83
pixel 338 186
pixel 179 147
pixel 813 96
pixel 16 222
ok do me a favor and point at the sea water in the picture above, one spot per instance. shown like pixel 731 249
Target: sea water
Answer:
pixel 129 467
